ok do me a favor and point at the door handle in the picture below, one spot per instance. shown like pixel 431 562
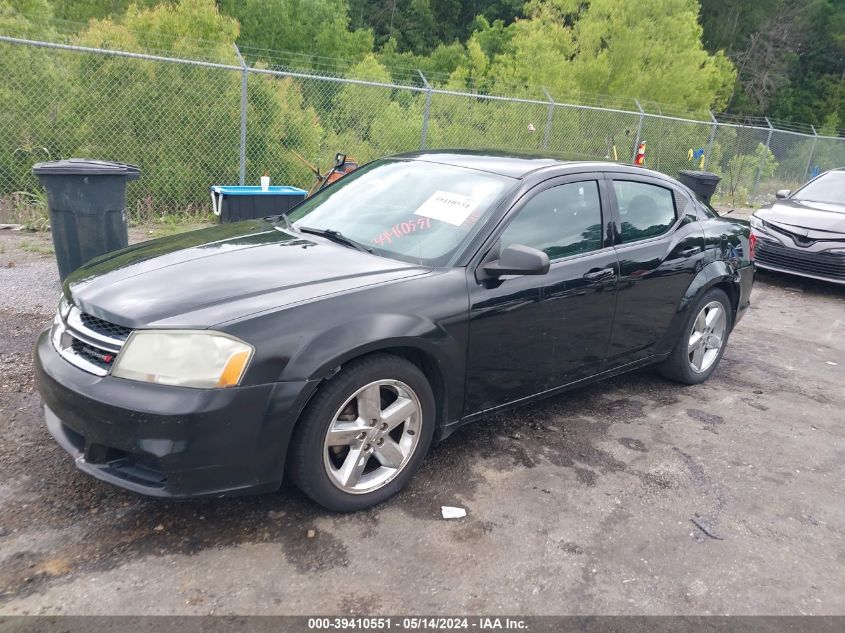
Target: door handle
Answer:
pixel 689 252
pixel 599 274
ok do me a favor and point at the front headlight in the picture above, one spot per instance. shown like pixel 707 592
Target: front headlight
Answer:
pixel 756 223
pixel 183 358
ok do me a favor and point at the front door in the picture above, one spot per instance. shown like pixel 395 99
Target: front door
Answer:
pixel 529 334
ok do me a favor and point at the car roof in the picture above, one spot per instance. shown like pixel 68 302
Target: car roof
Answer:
pixel 513 164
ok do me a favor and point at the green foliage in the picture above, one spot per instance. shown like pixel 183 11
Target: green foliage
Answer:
pixel 626 49
pixel 84 10
pixel 419 26
pixel 30 94
pixel 26 208
pixel 127 110
pixel 743 169
pixel 59 104
pixel 790 55
pixel 315 30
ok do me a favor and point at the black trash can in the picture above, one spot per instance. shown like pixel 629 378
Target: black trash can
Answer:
pixel 87 203
pixel 703 183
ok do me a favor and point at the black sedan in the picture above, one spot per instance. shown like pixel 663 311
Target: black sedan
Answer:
pixel 803 232
pixel 415 295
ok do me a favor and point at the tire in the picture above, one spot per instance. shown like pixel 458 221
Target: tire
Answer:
pixel 681 365
pixel 341 426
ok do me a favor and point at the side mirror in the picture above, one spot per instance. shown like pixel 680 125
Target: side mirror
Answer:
pixel 780 194
pixel 517 259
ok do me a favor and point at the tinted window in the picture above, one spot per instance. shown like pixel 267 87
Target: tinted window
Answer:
pixel 561 221
pixel 645 210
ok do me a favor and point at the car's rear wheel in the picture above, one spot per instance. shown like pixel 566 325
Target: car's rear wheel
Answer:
pixel 364 434
pixel 702 342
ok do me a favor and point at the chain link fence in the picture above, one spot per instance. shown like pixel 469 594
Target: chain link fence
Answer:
pixel 189 124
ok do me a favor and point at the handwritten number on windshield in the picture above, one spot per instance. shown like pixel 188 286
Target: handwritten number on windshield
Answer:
pixel 401 229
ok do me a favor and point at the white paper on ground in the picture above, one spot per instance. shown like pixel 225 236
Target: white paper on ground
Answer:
pixel 446 206
pixel 450 512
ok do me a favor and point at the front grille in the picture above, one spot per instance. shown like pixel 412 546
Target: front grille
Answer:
pixel 92 354
pixel 88 342
pixel 112 330
pixel 829 265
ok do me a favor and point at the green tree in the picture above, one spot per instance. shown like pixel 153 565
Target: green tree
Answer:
pixel 181 123
pixel 31 95
pixel 308 32
pixel 84 10
pixel 790 55
pixel 608 47
pixel 419 26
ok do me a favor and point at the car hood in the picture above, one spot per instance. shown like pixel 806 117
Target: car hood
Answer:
pixel 817 219
pixel 206 277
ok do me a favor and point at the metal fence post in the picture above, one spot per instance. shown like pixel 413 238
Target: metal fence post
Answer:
pixel 812 151
pixel 763 158
pixel 712 138
pixel 548 132
pixel 242 158
pixel 427 110
pixel 639 131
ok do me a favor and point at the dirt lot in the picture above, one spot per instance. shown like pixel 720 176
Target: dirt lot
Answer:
pixel 635 496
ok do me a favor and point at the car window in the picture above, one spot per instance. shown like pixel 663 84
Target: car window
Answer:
pixel 829 187
pixel 414 211
pixel 562 220
pixel 645 210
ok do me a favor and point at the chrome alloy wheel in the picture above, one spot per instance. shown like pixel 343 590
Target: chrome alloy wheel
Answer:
pixel 707 336
pixel 372 436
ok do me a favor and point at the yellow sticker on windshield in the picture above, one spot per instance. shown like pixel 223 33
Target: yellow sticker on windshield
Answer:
pixel 446 206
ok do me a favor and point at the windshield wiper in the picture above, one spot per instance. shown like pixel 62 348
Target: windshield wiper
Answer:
pixel 336 236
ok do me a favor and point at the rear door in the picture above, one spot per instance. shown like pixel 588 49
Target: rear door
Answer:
pixel 660 246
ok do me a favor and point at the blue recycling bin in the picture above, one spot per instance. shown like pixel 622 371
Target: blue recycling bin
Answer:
pixel 235 203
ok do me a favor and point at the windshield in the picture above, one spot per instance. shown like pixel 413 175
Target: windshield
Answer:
pixel 413 211
pixel 829 187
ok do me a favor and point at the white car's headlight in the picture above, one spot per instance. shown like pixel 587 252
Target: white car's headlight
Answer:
pixel 756 223
pixel 183 358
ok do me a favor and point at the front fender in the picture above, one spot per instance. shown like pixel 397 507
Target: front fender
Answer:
pixel 323 353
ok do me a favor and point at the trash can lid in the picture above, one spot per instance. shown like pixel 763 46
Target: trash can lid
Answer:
pixel 85 167
pixel 699 175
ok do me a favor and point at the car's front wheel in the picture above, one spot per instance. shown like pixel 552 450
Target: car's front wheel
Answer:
pixel 702 342
pixel 364 434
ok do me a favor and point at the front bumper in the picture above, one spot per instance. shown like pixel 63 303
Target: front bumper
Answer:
pixel 165 441
pixel 814 262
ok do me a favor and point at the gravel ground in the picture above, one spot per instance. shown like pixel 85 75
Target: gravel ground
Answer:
pixel 634 496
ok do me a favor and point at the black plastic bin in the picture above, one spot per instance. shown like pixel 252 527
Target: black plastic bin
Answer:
pixel 87 204
pixel 236 203
pixel 703 183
